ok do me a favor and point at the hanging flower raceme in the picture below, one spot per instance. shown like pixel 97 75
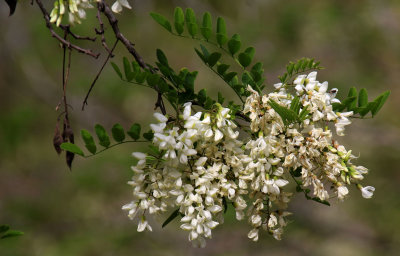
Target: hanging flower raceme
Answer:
pixel 200 163
pixel 76 9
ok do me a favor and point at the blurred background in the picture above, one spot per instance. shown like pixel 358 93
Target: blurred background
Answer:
pixel 79 212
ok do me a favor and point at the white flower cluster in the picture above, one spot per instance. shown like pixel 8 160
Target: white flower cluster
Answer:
pixel 200 165
pixel 76 9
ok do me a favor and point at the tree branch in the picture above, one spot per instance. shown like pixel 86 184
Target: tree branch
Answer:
pixel 105 9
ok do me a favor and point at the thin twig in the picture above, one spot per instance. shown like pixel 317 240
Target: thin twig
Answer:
pixel 101 31
pixel 58 37
pixel 78 37
pixel 98 75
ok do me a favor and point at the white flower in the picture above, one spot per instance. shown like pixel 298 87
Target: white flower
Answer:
pixel 253 234
pixel 117 6
pixel 143 224
pixel 342 191
pixel 367 192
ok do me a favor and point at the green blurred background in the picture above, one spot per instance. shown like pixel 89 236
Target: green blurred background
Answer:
pixel 78 212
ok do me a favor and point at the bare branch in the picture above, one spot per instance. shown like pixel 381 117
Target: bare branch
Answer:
pixel 98 75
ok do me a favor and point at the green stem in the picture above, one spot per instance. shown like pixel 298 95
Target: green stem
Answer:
pixel 127 141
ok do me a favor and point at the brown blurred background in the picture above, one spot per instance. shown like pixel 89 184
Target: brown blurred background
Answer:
pixel 78 212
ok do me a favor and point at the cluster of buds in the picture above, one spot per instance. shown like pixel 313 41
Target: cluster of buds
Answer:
pixel 76 9
pixel 201 163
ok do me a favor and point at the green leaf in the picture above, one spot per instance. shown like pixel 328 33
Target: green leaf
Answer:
pixel 202 96
pixel 89 141
pixel 179 20
pixel 221 32
pixel 202 57
pixel 290 68
pixel 101 133
pixel 171 217
pixel 364 110
pixel 191 22
pixel 152 79
pixel 234 44
pixel 206 30
pixel 141 77
pixel 204 51
pixel 228 77
pixel 246 57
pixel 118 132
pixel 222 68
pixel 162 58
pixel 136 67
pixel 379 102
pixel 116 69
pixel 338 107
pixel 349 102
pixel 352 93
pixel 303 114
pixel 220 98
pixel 127 69
pixel 209 103
pixel 11 233
pixel 295 105
pixel 362 98
pixel 134 132
pixel 4 228
pixel 213 58
pixel 161 20
pixel 72 148
pixel 287 115
pixel 148 135
pixel 316 199
pixel 87 137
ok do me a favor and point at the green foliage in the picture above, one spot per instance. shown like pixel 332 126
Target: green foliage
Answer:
pixel 206 29
pixel 191 22
pixel 116 69
pixel 231 47
pixel 6 232
pixel 213 58
pixel 353 95
pixel 300 66
pixel 89 141
pixel 221 32
pixel 161 20
pixel 179 20
pixel 134 131
pixel 118 132
pixel 148 135
pixel 104 139
pixel 292 114
pixel 234 44
pixel 67 146
pixel 173 215
pixel 246 57
pixel 364 107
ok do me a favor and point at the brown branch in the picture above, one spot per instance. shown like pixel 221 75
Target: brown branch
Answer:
pixel 66 43
pixel 101 31
pixel 98 75
pixel 67 28
pixel 105 9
